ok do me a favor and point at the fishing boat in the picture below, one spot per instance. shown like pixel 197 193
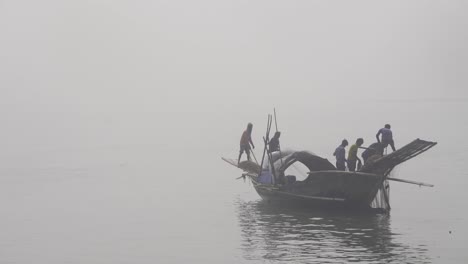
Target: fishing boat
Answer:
pixel 324 186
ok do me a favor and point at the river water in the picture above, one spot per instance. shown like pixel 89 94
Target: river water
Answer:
pixel 173 200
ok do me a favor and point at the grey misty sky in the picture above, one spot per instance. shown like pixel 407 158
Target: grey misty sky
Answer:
pixel 79 60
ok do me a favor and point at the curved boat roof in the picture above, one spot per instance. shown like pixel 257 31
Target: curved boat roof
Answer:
pixel 310 160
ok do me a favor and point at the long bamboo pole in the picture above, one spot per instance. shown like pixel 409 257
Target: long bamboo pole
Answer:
pixel 270 157
pixel 276 122
pixel 411 182
pixel 265 147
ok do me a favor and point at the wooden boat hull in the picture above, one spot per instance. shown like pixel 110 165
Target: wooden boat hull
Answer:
pixel 325 189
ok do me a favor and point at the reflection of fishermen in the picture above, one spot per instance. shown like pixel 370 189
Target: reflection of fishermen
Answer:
pixel 387 137
pixel 274 144
pixel 373 149
pixel 245 142
pixel 352 155
pixel 340 154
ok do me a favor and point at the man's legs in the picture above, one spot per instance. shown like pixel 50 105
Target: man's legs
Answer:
pixel 247 151
pixel 392 144
pixel 352 165
pixel 240 154
pixel 385 145
pixel 340 166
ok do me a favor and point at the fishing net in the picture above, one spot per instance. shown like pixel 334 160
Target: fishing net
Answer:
pixel 382 197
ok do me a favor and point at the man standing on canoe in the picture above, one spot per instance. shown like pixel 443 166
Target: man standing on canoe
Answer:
pixel 274 144
pixel 387 137
pixel 245 142
pixel 352 155
pixel 340 154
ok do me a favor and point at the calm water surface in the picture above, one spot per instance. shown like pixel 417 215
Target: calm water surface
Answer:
pixel 297 235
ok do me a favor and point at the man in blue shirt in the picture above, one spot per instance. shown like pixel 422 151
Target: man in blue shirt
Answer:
pixel 340 154
pixel 387 137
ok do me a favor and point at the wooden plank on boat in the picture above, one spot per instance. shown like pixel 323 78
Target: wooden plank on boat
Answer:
pixel 231 161
pixel 407 152
pixel 386 163
pixel 245 173
pixel 338 172
pixel 313 197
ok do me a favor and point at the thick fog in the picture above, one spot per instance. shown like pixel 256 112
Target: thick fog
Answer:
pixel 86 71
pixel 114 116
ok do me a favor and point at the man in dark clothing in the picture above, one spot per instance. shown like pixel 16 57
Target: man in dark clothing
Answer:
pixel 373 149
pixel 274 144
pixel 245 142
pixel 340 154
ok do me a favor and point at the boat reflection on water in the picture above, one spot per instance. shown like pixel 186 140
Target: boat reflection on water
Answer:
pixel 272 233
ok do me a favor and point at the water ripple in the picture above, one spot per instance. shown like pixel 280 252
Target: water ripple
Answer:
pixel 278 234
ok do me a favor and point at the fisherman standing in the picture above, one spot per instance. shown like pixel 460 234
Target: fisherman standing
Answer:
pixel 274 144
pixel 352 155
pixel 340 154
pixel 245 142
pixel 387 137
